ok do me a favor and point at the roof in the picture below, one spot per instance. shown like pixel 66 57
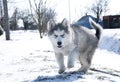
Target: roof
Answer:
pixel 84 21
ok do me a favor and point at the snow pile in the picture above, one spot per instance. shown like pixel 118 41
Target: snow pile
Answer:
pixel 111 40
pixel 27 58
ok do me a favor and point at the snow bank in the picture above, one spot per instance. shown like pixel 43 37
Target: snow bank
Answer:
pixel 111 40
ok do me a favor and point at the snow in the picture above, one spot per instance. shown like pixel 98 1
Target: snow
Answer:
pixel 27 58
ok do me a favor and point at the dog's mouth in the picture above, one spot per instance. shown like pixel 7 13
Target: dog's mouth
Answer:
pixel 59 46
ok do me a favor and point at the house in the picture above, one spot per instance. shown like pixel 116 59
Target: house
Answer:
pixel 111 21
pixel 84 21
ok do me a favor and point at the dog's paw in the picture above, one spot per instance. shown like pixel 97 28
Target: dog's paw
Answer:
pixel 70 66
pixel 83 71
pixel 61 70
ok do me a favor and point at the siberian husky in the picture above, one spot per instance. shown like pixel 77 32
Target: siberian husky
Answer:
pixel 76 41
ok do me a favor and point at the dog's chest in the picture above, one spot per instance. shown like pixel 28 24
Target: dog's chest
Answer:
pixel 67 50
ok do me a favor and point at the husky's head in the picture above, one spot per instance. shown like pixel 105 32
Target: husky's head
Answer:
pixel 58 33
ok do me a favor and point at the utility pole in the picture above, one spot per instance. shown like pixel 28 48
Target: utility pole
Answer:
pixel 0 8
pixel 1 12
pixel 69 11
pixel 6 20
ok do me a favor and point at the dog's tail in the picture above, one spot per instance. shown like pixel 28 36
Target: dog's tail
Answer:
pixel 97 27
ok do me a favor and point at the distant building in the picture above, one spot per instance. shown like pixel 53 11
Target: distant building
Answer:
pixel 111 21
pixel 84 21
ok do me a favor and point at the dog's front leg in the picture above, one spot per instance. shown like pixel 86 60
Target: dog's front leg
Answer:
pixel 70 63
pixel 71 58
pixel 60 61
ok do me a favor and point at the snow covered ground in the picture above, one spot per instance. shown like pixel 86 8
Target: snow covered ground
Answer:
pixel 27 58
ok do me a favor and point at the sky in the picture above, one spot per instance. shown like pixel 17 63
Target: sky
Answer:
pixel 77 7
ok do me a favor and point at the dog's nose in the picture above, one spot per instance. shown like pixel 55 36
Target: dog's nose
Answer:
pixel 59 43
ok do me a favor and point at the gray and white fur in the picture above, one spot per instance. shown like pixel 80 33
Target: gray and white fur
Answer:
pixel 77 42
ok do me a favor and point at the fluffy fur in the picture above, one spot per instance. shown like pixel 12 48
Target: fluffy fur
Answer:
pixel 75 41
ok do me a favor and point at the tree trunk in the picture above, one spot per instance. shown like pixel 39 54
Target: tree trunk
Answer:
pixel 5 20
pixel 98 16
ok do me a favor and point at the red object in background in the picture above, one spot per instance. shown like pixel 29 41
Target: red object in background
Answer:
pixel 112 21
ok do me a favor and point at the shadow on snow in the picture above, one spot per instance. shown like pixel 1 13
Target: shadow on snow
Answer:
pixel 60 77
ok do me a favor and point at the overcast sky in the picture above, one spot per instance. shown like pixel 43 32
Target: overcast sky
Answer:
pixel 77 7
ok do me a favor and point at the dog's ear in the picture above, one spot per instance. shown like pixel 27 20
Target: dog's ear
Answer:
pixel 65 22
pixel 51 23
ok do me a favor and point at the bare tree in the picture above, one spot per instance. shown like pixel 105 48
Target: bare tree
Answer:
pixel 25 17
pixel 5 20
pixel 50 14
pixel 41 14
pixel 13 20
pixel 99 7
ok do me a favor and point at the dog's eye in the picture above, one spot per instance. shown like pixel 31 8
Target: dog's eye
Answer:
pixel 56 36
pixel 62 35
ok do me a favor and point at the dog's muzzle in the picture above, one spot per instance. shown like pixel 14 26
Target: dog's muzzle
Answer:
pixel 59 44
